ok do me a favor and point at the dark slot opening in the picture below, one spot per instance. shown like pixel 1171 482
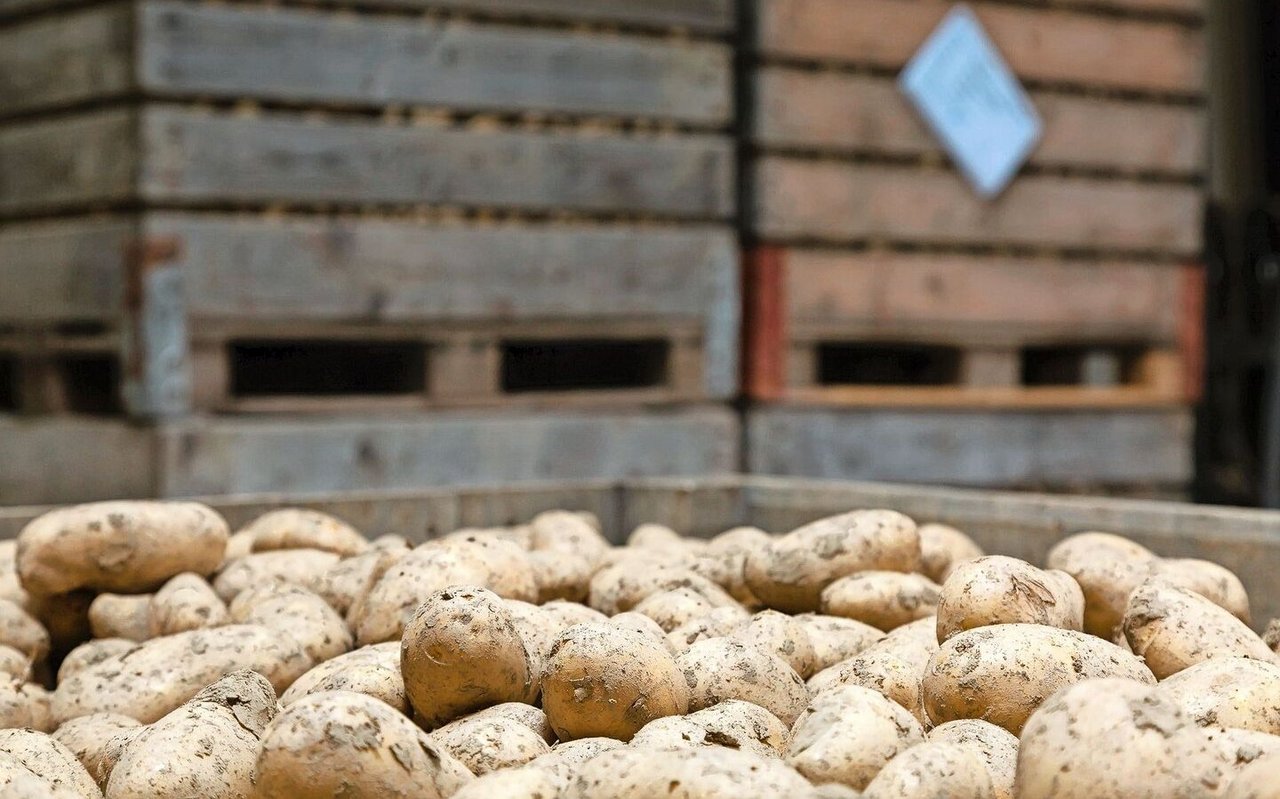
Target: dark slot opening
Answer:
pixel 1079 366
pixel 8 383
pixel 865 364
pixel 327 368
pixel 91 383
pixel 80 328
pixel 583 364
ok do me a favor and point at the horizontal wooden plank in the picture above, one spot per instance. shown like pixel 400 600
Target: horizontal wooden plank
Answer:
pixel 703 16
pixel 58 61
pixel 65 459
pixel 63 271
pixel 1191 9
pixel 858 114
pixel 845 202
pixel 303 56
pixel 198 157
pixel 81 161
pixel 979 448
pixel 1050 46
pixel 230 455
pixel 991 298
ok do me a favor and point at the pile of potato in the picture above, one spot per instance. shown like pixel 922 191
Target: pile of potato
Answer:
pixel 859 655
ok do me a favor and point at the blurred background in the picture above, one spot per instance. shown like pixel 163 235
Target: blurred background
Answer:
pixel 309 246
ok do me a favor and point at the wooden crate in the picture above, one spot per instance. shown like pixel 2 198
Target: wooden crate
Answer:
pixel 875 276
pixel 61 459
pixel 463 203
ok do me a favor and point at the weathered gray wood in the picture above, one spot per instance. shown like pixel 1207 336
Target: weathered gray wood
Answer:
pixel 81 161
pixel 839 113
pixel 301 56
pixel 703 16
pixel 246 455
pixel 63 271
pixel 1087 449
pixel 59 459
pixel 57 61
pixel 846 202
pixel 202 158
pixel 244 268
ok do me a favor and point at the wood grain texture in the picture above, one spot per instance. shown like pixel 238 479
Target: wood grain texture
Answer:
pixel 857 114
pixel 1044 45
pixel 702 16
pixel 58 61
pixel 978 448
pixel 840 202
pixel 63 271
pixel 301 56
pixel 86 160
pixel 65 459
pixel 196 157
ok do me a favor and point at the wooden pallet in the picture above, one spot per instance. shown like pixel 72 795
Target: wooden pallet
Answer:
pixel 896 329
pixel 190 309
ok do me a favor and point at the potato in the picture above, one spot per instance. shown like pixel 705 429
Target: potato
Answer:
pixel 1172 628
pixel 640 623
pixel 1108 568
pixel 932 769
pixel 1000 590
pixel 18 629
pixel 421 573
pixel 340 743
pixel 733 723
pixel 125 616
pixel 461 652
pixel 349 581
pixel 299 528
pixel 790 574
pixel 14 664
pixel 625 585
pixel 1211 581
pixel 780 634
pixel 1002 673
pixel 490 744
pixel 1119 738
pixel 1272 635
pixel 527 715
pixel 719 668
pixel 124 547
pixel 97 741
pixel 893 666
pixel 24 704
pixel 91 652
pixel 1229 692
pixel 848 734
pixel 507 570
pixel 220 726
pixel 155 677
pixel 670 609
pixel 654 536
pixel 568 614
pixel 886 600
pixel 304 567
pixel 525 782
pixel 708 772
pixel 10 586
pixel 561 575
pixel 49 760
pixel 297 614
pixel 835 639
pixel 184 603
pixel 996 747
pixel 605 681
pixel 19 782
pixel 372 670
pixel 942 548
pixel 566 531
pixel 1258 780
pixel 239 545
pixel 726 557
pixel 718 623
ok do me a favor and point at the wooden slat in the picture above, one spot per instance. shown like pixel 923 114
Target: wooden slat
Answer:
pixel 702 16
pixel 1000 399
pixel 987 298
pixel 980 448
pixel 1043 45
pixel 303 56
pixel 63 271
pixel 238 455
pixel 64 459
pixel 195 157
pixel 81 161
pixel 58 61
pixel 857 114
pixel 840 202
pixel 1191 9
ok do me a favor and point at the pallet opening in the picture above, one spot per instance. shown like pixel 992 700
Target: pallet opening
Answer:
pixel 866 364
pixel 282 368
pixel 599 364
pixel 1076 365
pixel 8 383
pixel 90 383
